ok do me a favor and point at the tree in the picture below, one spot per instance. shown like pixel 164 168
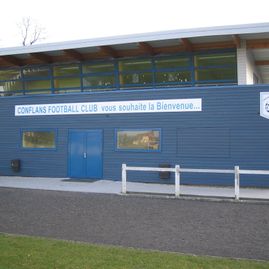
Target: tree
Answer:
pixel 31 31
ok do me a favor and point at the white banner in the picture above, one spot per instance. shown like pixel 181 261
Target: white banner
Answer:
pixel 264 104
pixel 138 106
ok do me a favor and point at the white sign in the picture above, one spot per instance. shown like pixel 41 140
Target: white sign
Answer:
pixel 264 104
pixel 138 106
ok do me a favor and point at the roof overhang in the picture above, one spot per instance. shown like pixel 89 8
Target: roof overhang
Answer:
pixel 256 37
pixel 145 37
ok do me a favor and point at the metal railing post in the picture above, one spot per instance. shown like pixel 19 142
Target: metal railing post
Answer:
pixel 177 180
pixel 123 178
pixel 236 182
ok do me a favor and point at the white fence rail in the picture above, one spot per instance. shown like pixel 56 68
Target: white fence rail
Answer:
pixel 178 170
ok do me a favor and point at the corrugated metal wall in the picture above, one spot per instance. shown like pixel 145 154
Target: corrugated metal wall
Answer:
pixel 229 131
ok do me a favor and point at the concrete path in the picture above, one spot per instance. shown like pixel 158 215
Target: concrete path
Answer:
pixel 114 187
pixel 224 228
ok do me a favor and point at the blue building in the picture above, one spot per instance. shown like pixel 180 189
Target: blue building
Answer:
pixel 79 109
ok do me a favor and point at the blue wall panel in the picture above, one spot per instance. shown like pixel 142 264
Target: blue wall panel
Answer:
pixel 229 131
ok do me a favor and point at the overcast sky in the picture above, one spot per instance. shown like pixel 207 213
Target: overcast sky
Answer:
pixel 82 19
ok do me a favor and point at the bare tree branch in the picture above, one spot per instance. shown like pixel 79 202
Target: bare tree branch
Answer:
pixel 25 29
pixel 31 32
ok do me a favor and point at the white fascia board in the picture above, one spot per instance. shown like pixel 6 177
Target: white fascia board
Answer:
pixel 145 37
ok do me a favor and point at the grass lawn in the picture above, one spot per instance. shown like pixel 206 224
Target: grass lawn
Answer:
pixel 31 252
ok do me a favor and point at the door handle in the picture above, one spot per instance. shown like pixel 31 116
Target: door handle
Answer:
pixel 84 155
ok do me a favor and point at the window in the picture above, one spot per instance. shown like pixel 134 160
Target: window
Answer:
pixel 136 78
pixel 66 70
pixel 136 72
pixel 10 74
pixel 135 65
pixel 99 81
pixel 98 75
pixel 10 81
pixel 37 85
pixel 37 80
pixel 10 86
pixel 174 70
pixel 215 68
pixel 38 139
pixel 175 62
pixel 98 68
pixel 217 74
pixel 140 140
pixel 36 72
pixel 62 83
pixel 177 77
pixel 67 77
pixel 215 59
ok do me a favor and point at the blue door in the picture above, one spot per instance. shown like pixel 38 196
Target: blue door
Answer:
pixel 85 154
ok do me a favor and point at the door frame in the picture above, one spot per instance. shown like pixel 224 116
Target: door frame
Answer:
pixel 68 150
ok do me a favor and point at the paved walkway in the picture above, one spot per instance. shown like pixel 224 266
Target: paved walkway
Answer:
pixel 114 187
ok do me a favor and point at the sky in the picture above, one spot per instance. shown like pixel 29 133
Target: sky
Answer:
pixel 65 20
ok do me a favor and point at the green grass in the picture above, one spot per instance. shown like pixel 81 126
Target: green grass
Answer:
pixel 31 252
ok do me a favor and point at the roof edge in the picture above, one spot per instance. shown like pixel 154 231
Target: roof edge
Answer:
pixel 141 37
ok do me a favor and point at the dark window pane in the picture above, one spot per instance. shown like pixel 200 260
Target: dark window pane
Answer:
pixel 135 65
pixel 40 139
pixel 140 140
pixel 32 72
pixel 173 77
pixel 216 74
pixel 215 59
pixel 66 70
pixel 37 84
pixel 172 63
pixel 67 82
pixel 98 68
pixel 101 81
pixel 10 74
pixel 136 78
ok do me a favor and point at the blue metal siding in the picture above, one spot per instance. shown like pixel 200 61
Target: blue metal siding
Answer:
pixel 215 142
pixel 231 111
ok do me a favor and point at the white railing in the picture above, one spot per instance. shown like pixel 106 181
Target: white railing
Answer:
pixel 178 170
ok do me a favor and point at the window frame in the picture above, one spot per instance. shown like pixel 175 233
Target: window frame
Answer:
pixel 151 72
pixel 12 68
pixel 39 130
pixel 66 65
pixel 215 67
pixel 138 150
pixel 20 80
pixel 113 73
pixel 26 80
pixel 187 68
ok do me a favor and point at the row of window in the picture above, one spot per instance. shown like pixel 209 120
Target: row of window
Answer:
pixel 139 140
pixel 187 69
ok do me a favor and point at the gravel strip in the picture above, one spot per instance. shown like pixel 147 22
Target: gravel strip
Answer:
pixel 227 229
